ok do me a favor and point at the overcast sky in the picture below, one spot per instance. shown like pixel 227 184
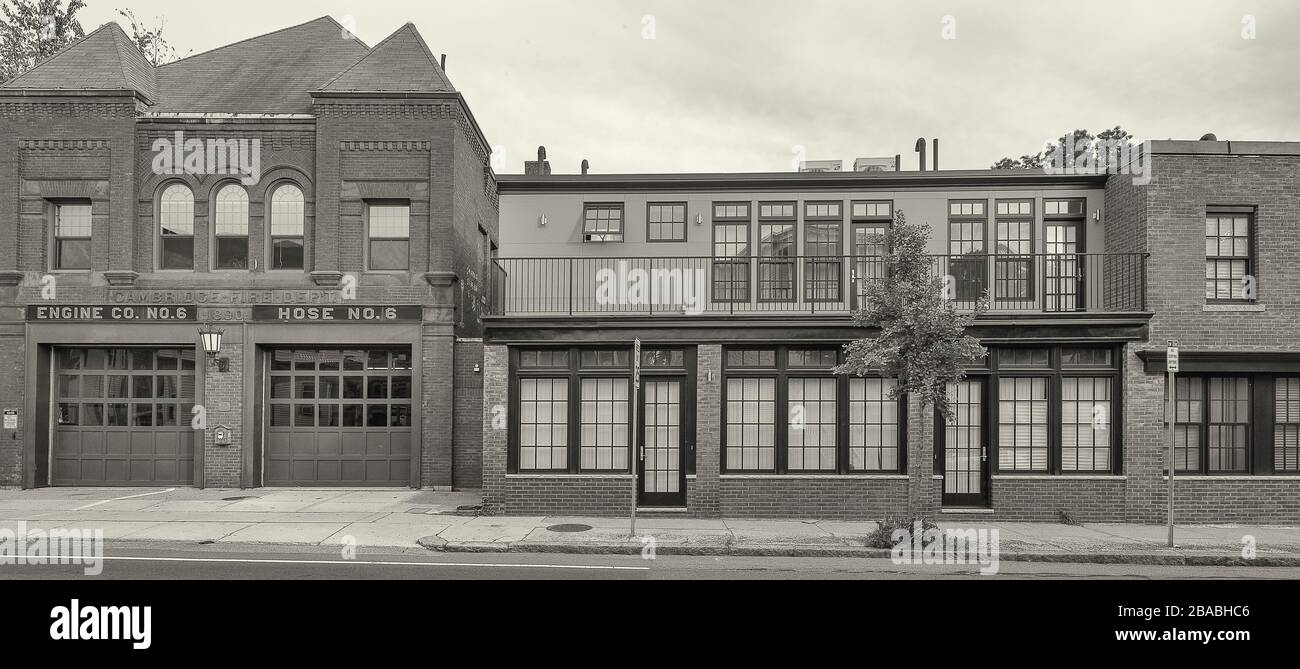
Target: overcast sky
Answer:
pixel 741 85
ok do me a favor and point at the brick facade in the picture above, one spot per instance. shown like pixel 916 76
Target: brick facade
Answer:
pixel 348 149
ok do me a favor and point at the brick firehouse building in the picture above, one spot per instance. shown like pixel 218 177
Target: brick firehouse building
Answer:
pixel 345 271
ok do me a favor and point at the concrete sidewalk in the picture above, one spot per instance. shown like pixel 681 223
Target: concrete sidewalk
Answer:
pixel 443 521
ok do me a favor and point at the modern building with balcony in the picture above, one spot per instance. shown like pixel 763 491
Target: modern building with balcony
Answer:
pixel 741 290
pixel 338 242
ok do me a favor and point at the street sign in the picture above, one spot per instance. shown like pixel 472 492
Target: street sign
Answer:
pixel 636 364
pixel 1171 359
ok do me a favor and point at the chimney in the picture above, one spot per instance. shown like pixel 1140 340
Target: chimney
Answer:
pixel 540 167
pixel 898 162
pixel 585 166
pixel 442 62
pixel 936 155
pixel 920 149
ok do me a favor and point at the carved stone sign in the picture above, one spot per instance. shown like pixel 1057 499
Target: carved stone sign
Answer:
pixel 103 312
pixel 224 297
pixel 344 312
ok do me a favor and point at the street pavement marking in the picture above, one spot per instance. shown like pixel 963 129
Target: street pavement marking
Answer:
pixel 502 565
pixel 116 499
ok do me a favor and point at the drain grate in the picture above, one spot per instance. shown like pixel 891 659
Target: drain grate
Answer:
pixel 569 528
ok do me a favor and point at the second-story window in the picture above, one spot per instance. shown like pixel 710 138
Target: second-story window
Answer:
pixel 287 228
pixel 776 251
pixel 176 228
pixel 967 264
pixel 602 223
pixel 824 246
pixel 231 229
pixel 71 236
pixel 1013 268
pixel 731 252
pixel 390 236
pixel 666 222
pixel 1228 261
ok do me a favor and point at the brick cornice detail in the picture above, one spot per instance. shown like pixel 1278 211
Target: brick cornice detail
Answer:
pixel 64 144
pixel 380 145
pixel 19 110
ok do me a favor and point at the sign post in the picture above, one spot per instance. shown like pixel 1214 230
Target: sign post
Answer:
pixel 635 455
pixel 1171 369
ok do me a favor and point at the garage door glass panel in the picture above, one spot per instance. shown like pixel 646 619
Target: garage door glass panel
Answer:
pixel 325 428
pixel 139 437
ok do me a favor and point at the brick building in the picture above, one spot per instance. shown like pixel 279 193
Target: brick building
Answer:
pixel 327 205
pixel 741 288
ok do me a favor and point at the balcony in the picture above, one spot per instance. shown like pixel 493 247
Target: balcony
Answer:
pixel 815 285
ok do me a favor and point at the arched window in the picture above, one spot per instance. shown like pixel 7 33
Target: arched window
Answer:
pixel 287 228
pixel 231 228
pixel 176 228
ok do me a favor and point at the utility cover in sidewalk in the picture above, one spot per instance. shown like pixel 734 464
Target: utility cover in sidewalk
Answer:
pixel 568 528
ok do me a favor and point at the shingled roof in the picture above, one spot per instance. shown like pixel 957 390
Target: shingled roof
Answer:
pixel 269 74
pixel 275 73
pixel 402 63
pixel 106 59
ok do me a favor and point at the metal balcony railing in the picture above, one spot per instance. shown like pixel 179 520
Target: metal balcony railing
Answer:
pixel 776 285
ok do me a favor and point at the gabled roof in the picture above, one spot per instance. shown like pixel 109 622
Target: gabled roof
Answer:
pixel 269 74
pixel 402 63
pixel 106 59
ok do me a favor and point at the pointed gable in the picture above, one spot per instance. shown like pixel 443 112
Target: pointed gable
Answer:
pixel 269 74
pixel 106 59
pixel 402 63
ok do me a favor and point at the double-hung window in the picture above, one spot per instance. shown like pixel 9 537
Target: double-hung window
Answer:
pixel 389 231
pixel 71 236
pixel 1229 261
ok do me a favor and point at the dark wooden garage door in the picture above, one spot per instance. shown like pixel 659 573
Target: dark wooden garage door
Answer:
pixel 122 417
pixel 339 417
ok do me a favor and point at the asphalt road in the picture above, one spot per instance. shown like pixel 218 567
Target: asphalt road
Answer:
pixel 140 562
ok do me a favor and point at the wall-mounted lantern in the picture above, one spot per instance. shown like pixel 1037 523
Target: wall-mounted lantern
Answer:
pixel 211 337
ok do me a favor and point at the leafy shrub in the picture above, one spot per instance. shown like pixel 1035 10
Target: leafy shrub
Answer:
pixel 883 536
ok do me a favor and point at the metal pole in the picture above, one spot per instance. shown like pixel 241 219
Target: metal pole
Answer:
pixel 1171 368
pixel 635 454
